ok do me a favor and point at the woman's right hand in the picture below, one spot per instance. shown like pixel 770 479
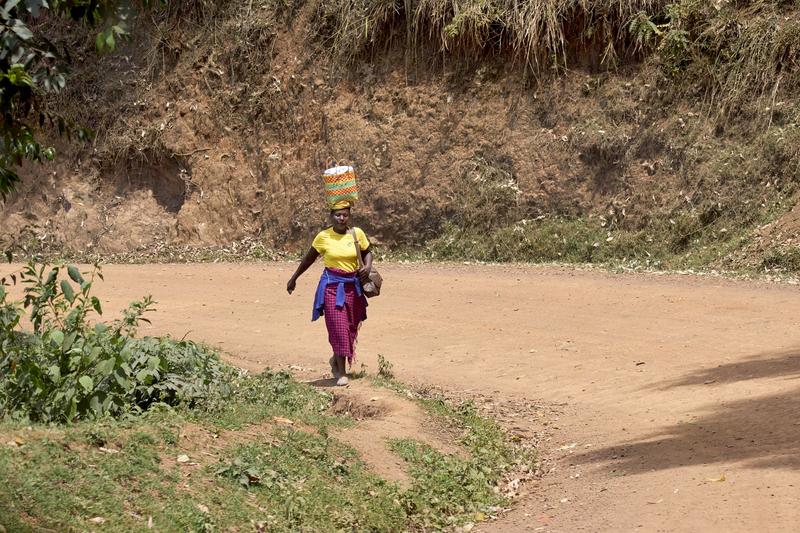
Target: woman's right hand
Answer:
pixel 308 260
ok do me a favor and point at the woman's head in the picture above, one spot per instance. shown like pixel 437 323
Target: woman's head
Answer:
pixel 340 218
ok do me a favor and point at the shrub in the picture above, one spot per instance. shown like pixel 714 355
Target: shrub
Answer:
pixel 385 368
pixel 785 260
pixel 67 369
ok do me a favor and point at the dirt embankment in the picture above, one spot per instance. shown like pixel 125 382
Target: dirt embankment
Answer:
pixel 213 124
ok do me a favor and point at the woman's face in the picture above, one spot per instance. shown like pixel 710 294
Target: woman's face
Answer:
pixel 340 218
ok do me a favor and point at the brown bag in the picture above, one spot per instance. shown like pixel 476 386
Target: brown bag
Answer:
pixel 372 282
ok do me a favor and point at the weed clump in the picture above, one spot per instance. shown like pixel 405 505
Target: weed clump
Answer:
pixel 385 368
pixel 782 260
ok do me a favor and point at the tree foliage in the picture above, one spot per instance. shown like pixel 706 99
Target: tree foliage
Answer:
pixel 31 65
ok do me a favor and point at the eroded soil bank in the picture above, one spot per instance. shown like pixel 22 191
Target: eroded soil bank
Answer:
pixel 214 122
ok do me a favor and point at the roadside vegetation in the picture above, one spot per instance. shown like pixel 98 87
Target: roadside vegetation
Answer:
pixel 103 429
pixel 490 222
pixel 731 51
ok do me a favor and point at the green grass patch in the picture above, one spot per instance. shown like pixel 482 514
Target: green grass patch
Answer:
pixel 125 470
pixel 310 482
pixel 782 259
pixel 244 468
pixel 450 489
pixel 266 395
pixel 684 240
pixel 446 489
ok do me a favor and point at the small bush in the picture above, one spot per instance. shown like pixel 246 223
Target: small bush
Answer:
pixel 785 260
pixel 385 368
pixel 67 369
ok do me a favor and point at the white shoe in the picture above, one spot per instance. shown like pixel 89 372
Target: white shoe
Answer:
pixel 342 381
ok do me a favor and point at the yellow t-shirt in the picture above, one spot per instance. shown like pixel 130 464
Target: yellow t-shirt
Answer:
pixel 339 251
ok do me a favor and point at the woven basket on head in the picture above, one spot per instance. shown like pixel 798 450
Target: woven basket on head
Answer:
pixel 340 185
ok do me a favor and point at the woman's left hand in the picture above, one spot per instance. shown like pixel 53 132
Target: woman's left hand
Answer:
pixel 363 274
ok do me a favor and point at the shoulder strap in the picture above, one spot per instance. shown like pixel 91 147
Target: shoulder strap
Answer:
pixel 358 247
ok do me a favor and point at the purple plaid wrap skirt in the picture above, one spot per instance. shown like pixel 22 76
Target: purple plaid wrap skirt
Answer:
pixel 343 321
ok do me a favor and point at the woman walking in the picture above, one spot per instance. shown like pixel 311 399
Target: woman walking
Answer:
pixel 339 297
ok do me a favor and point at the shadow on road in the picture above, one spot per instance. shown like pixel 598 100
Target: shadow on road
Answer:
pixel 784 364
pixel 325 383
pixel 761 432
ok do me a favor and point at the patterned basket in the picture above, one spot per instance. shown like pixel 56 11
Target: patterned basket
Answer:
pixel 340 185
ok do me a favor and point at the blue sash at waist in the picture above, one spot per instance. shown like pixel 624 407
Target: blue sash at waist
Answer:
pixel 329 277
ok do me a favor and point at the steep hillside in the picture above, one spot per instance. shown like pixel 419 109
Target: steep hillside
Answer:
pixel 634 132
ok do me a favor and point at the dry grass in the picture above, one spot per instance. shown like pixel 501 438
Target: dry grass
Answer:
pixel 540 34
pixel 732 52
pixel 766 54
pixel 350 27
pixel 742 56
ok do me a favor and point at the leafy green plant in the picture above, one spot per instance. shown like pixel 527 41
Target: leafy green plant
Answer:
pixel 67 368
pixel 244 469
pixel 644 31
pixel 446 487
pixel 385 367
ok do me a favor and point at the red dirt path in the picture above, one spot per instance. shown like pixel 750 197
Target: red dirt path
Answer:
pixel 669 383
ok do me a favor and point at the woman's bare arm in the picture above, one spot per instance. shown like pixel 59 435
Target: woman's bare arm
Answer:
pixel 366 258
pixel 305 264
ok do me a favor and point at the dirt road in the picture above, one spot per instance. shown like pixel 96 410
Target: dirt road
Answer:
pixel 679 397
